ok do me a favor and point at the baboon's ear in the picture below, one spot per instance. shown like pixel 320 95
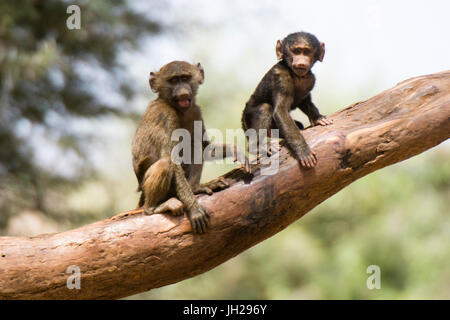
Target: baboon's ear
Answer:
pixel 202 73
pixel 152 81
pixel 322 52
pixel 279 50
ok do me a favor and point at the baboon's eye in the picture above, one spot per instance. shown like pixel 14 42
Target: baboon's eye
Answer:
pixel 185 78
pixel 173 80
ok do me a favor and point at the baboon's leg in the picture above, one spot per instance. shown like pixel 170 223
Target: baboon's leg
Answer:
pixel 141 200
pixel 263 121
pixel 299 125
pixel 156 184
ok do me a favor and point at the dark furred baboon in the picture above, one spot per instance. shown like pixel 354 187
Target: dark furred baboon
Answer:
pixel 286 86
pixel 164 184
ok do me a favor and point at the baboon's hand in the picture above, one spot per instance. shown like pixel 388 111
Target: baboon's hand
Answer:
pixel 199 219
pixel 172 205
pixel 210 187
pixel 202 189
pixel 323 121
pixel 307 158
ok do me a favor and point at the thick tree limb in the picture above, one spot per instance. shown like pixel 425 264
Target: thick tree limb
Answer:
pixel 131 252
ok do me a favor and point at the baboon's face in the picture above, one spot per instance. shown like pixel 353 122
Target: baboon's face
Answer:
pixel 177 83
pixel 300 53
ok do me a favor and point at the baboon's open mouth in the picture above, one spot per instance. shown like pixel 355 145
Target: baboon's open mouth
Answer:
pixel 184 103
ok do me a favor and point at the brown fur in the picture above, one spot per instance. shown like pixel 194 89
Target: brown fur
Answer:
pixel 164 184
pixel 286 86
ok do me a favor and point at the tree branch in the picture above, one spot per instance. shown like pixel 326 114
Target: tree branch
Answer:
pixel 132 252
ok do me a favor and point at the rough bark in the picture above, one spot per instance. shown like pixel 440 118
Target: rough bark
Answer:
pixel 132 252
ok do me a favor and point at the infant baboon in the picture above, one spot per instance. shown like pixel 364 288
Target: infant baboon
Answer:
pixel 286 86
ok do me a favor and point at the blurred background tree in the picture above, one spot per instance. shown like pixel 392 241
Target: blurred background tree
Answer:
pixel 68 106
pixel 52 80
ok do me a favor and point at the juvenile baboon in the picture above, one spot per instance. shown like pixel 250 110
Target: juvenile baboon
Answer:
pixel 286 86
pixel 164 184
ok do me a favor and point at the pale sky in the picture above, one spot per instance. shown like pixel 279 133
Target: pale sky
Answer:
pixel 367 42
